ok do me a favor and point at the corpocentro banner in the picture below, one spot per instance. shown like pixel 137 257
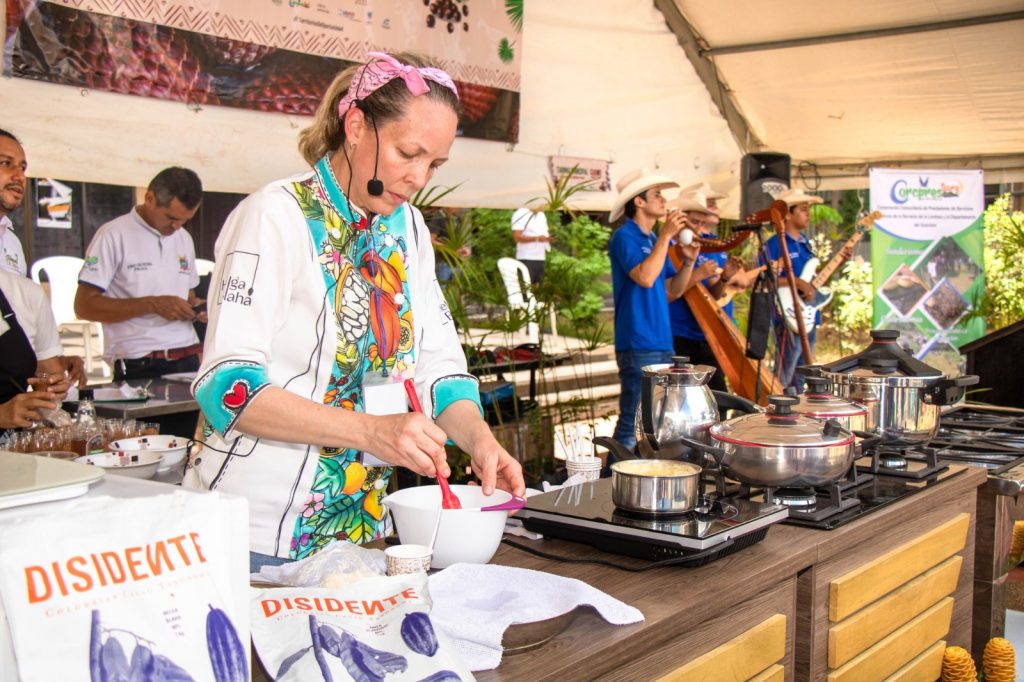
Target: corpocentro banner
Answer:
pixel 271 55
pixel 927 255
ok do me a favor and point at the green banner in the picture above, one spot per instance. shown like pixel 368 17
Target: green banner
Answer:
pixel 927 254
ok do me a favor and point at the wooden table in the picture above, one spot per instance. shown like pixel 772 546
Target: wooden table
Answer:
pixel 692 611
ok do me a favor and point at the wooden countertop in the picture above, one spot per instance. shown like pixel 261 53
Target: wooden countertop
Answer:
pixel 674 600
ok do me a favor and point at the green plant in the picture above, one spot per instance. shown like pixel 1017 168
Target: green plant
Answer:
pixel 1003 302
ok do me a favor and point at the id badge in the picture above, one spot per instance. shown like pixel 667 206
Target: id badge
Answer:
pixel 382 395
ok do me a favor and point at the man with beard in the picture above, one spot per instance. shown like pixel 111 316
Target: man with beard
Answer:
pixel 12 191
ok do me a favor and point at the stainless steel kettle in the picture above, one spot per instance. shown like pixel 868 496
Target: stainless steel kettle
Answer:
pixel 675 402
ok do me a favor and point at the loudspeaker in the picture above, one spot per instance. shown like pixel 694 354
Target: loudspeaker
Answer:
pixel 763 176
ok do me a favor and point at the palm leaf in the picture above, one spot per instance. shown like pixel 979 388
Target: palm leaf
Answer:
pixel 505 52
pixel 427 197
pixel 514 10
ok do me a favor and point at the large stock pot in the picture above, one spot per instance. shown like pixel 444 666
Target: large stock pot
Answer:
pixel 901 394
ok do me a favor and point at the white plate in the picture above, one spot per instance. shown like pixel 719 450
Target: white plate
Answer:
pixel 27 479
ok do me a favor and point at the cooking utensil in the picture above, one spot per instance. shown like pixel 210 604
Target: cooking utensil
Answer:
pixel 448 498
pixel 818 402
pixel 902 395
pixel 674 401
pixel 655 486
pixel 509 505
pixel 781 448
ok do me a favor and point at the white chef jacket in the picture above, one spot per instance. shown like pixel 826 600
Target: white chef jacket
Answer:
pixel 12 256
pixel 129 259
pixel 273 322
pixel 32 308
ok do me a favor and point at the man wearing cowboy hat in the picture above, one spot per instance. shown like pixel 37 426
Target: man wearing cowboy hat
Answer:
pixel 710 196
pixel 643 282
pixel 713 270
pixel 789 353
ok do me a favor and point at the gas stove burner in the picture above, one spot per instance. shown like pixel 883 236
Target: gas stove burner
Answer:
pixel 892 461
pixel 792 497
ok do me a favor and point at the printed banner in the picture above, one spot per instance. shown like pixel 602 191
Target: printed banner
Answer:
pixel 594 170
pixel 53 204
pixel 927 255
pixel 275 56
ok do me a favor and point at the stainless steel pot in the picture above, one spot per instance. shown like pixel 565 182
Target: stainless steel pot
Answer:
pixel 901 394
pixel 818 402
pixel 783 449
pixel 675 402
pixel 655 486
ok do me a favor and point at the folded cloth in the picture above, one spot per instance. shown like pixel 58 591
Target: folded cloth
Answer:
pixel 475 603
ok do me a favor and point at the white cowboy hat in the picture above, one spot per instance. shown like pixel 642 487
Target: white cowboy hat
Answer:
pixel 796 196
pixel 691 202
pixel 704 189
pixel 633 184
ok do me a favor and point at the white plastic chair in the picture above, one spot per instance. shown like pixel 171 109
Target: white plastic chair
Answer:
pixel 204 267
pixel 517 285
pixel 62 275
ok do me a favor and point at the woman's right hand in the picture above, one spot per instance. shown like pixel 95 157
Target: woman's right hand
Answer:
pixel 412 441
pixel 21 410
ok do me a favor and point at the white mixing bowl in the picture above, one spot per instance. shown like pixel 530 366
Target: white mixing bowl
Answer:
pixel 170 448
pixel 465 535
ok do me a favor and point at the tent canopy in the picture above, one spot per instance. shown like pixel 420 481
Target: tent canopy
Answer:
pixel 627 81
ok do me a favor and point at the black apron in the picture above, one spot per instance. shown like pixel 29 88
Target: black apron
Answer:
pixel 17 359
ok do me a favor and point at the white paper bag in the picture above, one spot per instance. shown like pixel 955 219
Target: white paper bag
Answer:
pixel 138 587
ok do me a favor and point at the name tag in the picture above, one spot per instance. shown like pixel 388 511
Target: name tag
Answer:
pixel 382 395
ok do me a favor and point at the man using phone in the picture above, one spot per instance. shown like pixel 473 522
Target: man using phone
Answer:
pixel 139 280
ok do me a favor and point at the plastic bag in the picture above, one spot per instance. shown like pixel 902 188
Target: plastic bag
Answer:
pixel 339 564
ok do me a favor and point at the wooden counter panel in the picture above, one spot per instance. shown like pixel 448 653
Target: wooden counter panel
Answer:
pixel 732 646
pixel 676 603
pixel 869 625
pixel 776 673
pixel 899 648
pixel 927 667
pixel 865 584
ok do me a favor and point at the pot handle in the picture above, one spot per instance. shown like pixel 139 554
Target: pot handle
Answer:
pixel 730 401
pixel 716 453
pixel 647 404
pixel 948 391
pixel 618 449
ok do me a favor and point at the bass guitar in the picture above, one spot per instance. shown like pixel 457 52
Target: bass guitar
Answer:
pixel 821 295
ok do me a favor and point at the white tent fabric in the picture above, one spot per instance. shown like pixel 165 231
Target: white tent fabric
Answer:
pixel 954 93
pixel 601 79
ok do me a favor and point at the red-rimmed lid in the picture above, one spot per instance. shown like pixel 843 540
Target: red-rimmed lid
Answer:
pixel 781 427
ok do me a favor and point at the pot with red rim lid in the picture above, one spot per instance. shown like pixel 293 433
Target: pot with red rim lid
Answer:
pixel 902 395
pixel 818 402
pixel 780 448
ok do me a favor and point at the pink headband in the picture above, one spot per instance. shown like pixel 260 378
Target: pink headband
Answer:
pixel 382 70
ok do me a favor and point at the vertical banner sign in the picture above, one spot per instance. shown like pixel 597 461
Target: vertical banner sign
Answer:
pixel 926 253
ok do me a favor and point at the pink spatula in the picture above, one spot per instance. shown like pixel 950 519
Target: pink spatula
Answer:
pixel 448 498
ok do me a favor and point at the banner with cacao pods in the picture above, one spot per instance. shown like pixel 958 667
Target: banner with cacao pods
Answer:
pixel 276 56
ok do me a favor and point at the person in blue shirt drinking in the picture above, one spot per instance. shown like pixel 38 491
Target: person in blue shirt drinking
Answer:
pixel 643 283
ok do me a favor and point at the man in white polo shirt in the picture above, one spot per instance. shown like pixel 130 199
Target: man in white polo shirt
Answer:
pixel 533 241
pixel 139 279
pixel 12 191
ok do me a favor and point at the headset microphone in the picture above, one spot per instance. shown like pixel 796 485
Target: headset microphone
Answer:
pixel 374 187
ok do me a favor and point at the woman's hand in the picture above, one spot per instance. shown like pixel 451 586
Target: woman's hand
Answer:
pixel 21 410
pixel 409 440
pixel 497 469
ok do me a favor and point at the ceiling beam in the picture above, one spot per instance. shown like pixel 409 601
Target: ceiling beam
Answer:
pixel 723 98
pixel 861 35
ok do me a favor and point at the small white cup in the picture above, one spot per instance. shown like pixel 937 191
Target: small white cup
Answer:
pixel 403 559
pixel 589 468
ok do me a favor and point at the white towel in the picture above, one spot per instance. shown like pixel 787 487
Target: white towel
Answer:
pixel 475 603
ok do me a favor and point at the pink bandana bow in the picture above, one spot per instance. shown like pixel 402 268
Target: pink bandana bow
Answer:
pixel 382 70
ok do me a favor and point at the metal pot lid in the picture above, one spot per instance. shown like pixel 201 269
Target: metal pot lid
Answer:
pixel 781 426
pixel 818 402
pixel 680 372
pixel 883 359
